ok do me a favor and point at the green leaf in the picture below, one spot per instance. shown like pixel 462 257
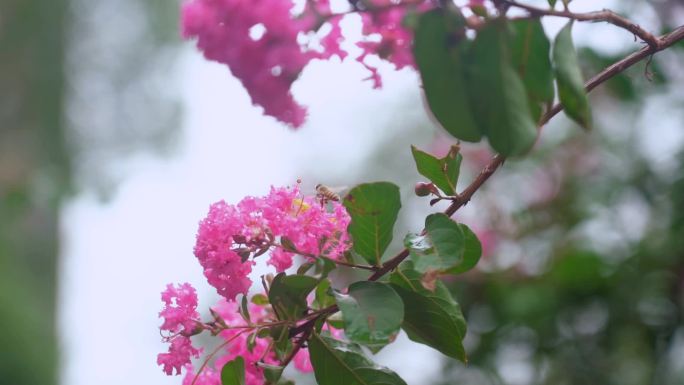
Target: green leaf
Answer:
pixel 244 311
pixel 260 299
pixel 373 208
pixel 324 297
pixel 440 248
pixel 497 93
pixel 472 251
pixel 338 363
pixel 272 373
pixel 323 267
pixel 372 313
pixel 439 44
pixel 233 372
pixel 432 318
pixel 288 295
pixel 530 52
pixel 282 344
pixel 442 172
pixel 552 3
pixel 571 90
pixel 304 267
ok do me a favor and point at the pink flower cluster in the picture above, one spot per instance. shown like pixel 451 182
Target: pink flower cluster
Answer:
pixel 267 46
pixel 180 320
pixel 236 336
pixel 230 235
pixel 258 40
pixel 238 346
pixel 387 37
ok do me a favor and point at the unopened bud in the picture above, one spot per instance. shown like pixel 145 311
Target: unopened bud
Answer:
pixel 425 189
pixel 478 8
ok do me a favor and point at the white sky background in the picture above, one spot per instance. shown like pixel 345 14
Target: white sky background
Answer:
pixel 117 256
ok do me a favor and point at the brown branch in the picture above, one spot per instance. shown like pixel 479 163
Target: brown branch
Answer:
pixel 496 162
pixel 605 15
pixel 664 42
pixel 298 345
pixel 352 265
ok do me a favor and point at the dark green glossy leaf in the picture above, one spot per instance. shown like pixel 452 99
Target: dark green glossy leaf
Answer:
pixel 288 294
pixel 440 248
pixel 373 208
pixel 497 93
pixel 442 172
pixel 439 46
pixel 472 251
pixel 571 90
pixel 372 313
pixel 432 318
pixel 233 372
pixel 530 52
pixel 338 363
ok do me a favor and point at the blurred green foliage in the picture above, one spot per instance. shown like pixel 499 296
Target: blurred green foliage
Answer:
pixel 37 149
pixel 34 174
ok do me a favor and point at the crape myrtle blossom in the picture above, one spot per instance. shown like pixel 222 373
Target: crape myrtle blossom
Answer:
pixel 387 35
pixel 232 235
pixel 180 321
pixel 266 45
pixel 230 327
pixel 237 345
pixel 258 40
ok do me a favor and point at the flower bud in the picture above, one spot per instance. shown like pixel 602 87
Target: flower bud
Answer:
pixel 425 189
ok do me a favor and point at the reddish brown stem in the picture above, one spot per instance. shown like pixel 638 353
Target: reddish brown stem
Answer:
pixel 605 15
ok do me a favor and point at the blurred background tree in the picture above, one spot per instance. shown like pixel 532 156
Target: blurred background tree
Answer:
pixel 69 100
pixel 34 176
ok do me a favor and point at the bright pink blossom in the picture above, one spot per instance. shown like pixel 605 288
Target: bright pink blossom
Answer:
pixel 209 376
pixel 180 308
pixel 258 40
pixel 230 235
pixel 302 361
pixel 239 346
pixel 223 267
pixel 180 352
pixel 267 46
pixel 180 319
pixel 388 38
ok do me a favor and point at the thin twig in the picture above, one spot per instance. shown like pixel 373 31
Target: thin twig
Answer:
pixel 314 256
pixel 212 354
pixel 298 345
pixel 347 264
pixel 605 15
